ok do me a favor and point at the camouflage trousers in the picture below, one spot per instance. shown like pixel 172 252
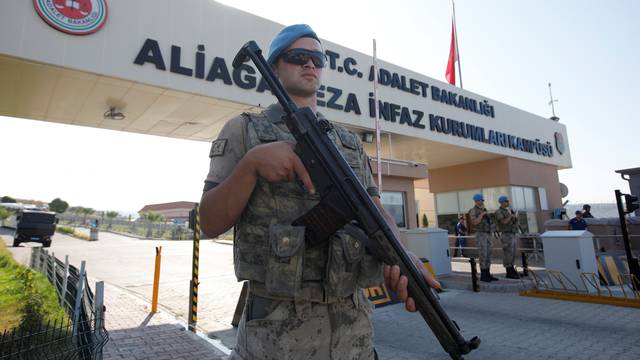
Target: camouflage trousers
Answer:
pixel 508 248
pixel 484 242
pixel 289 330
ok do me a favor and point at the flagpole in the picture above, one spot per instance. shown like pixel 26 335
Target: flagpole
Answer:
pixel 455 33
pixel 375 100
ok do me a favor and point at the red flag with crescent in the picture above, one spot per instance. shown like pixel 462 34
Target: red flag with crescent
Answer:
pixel 451 65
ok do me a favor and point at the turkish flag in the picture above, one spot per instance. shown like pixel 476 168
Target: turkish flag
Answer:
pixel 451 65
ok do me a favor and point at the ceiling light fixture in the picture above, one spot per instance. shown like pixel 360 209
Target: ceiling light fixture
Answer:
pixel 113 114
pixel 367 137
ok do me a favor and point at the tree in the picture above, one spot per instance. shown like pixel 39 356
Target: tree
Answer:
pixel 111 215
pixel 425 221
pixel 150 218
pixel 86 212
pixel 4 214
pixel 7 199
pixel 76 211
pixel 58 205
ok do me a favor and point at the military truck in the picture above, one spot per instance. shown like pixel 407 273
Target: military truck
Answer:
pixel 35 226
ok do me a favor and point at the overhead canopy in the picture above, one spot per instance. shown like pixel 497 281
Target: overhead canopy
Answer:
pixel 171 75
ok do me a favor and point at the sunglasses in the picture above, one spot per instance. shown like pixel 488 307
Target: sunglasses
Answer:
pixel 302 56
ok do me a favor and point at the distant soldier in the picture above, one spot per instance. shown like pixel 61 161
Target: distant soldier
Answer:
pixel 482 224
pixel 506 224
pixel 586 211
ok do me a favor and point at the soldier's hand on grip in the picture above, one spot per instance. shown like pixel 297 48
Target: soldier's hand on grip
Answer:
pixel 398 283
pixel 277 162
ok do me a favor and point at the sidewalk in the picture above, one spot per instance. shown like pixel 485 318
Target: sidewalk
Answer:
pixel 136 334
pixel 460 277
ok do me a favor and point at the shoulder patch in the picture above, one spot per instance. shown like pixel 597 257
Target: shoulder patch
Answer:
pixel 217 147
pixel 347 138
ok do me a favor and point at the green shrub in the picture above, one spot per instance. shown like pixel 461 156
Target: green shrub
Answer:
pixel 81 236
pixel 32 308
pixel 64 230
pixel 27 299
pixel 425 221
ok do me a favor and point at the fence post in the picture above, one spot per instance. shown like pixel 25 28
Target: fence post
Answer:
pixel 34 252
pixel 474 275
pixel 78 299
pixel 65 280
pixel 525 264
pixel 99 317
pixel 53 270
pixel 43 260
pixel 36 258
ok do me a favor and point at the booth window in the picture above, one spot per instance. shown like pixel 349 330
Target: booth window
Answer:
pixel 524 201
pixel 450 205
pixel 393 202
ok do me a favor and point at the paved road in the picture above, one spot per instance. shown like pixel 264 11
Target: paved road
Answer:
pixel 129 263
pixel 511 327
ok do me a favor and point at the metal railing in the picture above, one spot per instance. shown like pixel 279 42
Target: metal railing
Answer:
pixel 529 243
pixel 556 285
pixel 80 335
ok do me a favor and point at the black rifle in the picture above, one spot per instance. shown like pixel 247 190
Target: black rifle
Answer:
pixel 344 200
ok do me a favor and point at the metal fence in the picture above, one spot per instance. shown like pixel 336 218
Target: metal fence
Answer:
pixel 81 335
pixel 138 228
pixel 527 243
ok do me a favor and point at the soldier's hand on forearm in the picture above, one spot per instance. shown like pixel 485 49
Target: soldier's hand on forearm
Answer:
pixel 399 283
pixel 277 162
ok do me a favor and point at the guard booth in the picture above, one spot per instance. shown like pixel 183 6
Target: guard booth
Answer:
pixel 571 253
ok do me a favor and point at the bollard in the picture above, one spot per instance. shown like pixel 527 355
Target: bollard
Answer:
pixel 194 223
pixel 525 265
pixel 156 280
pixel 93 234
pixel 474 275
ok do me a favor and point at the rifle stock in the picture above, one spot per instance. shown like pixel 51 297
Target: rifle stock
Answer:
pixel 344 199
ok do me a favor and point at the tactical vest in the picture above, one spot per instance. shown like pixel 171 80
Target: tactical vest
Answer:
pixel 485 223
pixel 508 227
pixel 270 251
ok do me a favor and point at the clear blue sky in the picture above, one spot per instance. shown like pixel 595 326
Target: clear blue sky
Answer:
pixel 509 50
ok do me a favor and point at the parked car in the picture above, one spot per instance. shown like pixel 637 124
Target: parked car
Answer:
pixel 35 226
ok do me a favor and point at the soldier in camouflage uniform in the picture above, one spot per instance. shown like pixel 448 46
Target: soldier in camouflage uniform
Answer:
pixel 482 224
pixel 506 225
pixel 305 301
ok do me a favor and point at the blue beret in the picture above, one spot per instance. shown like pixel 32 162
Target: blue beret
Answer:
pixel 502 199
pixel 478 197
pixel 286 37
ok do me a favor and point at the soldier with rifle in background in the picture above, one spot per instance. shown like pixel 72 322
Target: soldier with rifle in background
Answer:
pixel 482 223
pixel 507 226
